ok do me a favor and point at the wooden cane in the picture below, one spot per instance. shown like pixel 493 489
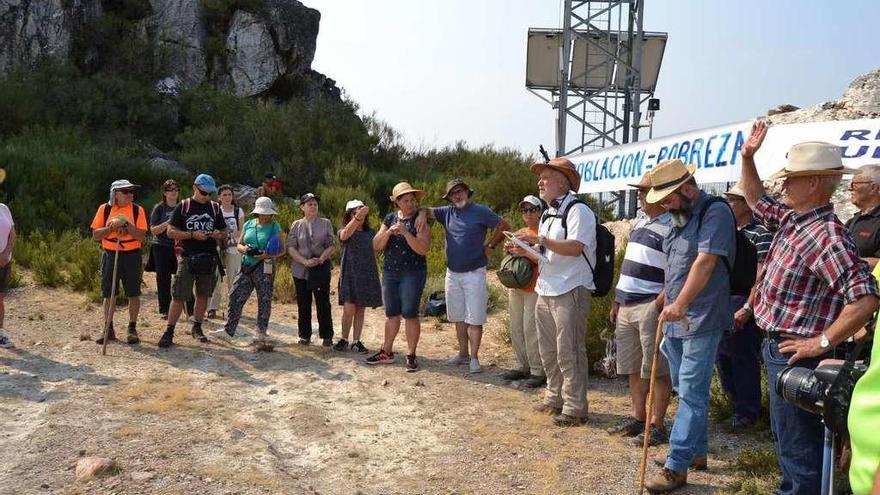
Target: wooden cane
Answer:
pixel 108 316
pixel 649 406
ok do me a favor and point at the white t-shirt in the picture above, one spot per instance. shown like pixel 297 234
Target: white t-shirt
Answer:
pixel 6 224
pixel 560 273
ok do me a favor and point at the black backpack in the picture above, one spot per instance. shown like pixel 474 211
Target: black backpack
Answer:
pixel 603 272
pixel 744 270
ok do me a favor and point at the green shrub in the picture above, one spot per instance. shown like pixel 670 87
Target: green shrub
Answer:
pixel 46 266
pixel 84 257
pixel 283 290
pixel 599 327
pixel 15 278
pixel 720 405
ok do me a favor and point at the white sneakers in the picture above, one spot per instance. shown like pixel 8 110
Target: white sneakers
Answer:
pixel 473 363
pixel 5 343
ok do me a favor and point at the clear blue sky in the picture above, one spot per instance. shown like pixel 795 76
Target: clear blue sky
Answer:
pixel 448 70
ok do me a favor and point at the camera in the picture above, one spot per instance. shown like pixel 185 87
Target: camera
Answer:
pixel 252 251
pixel 825 391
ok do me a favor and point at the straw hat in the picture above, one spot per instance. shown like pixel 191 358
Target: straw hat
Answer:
pixel 404 188
pixel 736 190
pixel 560 165
pixel 264 206
pixel 643 184
pixel 813 158
pixel 667 177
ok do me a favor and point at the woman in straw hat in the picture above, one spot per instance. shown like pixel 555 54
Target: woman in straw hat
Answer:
pixel 404 272
pixel 259 245
pixel 359 285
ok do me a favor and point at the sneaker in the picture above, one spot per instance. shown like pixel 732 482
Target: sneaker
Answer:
pixel 212 313
pixel 697 464
pixel 341 345
pixel 327 342
pixel 666 481
pixel 132 337
pixel 197 333
pixel 5 343
pixel 222 333
pixel 411 363
pixel 515 375
pixel 358 346
pixel 534 381
pixel 658 436
pixel 457 360
pixel 111 336
pixel 303 341
pixel 474 367
pixel 545 409
pixel 564 420
pixel 629 427
pixel 381 357
pixel 166 340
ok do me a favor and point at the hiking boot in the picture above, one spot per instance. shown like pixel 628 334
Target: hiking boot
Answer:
pixel 629 427
pixel 534 381
pixel 303 341
pixel 358 346
pixel 341 345
pixel 166 340
pixel 5 343
pixel 411 364
pixel 740 424
pixel 381 357
pixel 666 481
pixel 474 367
pixel 111 336
pixel 658 436
pixel 263 345
pixel 132 337
pixel 458 360
pixel 515 375
pixel 197 333
pixel 545 409
pixel 327 342
pixel 564 420
pixel 697 464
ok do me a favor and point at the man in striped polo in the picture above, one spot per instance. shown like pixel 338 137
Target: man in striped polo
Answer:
pixel 634 311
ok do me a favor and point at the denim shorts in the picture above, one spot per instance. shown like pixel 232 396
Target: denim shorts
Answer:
pixel 402 292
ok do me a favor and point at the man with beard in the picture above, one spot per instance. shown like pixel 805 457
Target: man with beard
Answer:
pixel 699 251
pixel 864 194
pixel 467 296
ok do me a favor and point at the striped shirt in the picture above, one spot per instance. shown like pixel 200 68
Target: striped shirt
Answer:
pixel 812 270
pixel 644 263
pixel 760 237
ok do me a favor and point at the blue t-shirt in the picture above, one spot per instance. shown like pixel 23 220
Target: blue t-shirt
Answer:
pixel 257 235
pixel 465 234
pixel 708 312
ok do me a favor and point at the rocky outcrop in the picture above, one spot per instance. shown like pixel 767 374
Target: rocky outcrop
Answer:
pixel 265 52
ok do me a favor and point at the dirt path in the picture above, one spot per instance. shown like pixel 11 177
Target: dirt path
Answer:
pixel 216 418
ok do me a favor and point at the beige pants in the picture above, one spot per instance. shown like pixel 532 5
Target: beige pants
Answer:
pixel 562 332
pixel 634 336
pixel 523 331
pixel 232 265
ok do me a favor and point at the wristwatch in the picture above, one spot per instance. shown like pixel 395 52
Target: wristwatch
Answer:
pixel 824 343
pixel 541 239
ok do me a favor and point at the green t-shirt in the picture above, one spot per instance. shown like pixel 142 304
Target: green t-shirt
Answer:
pixel 256 235
pixel 864 416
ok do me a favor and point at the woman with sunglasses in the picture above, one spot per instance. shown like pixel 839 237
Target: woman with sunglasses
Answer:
pixel 521 306
pixel 162 258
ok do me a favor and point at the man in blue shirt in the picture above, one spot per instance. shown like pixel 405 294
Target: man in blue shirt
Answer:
pixel 695 315
pixel 466 224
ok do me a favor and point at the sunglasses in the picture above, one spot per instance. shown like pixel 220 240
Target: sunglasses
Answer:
pixel 172 189
pixel 126 191
pixel 203 193
pixel 533 209
pixel 855 183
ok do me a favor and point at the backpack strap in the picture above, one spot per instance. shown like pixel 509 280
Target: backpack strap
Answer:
pixel 184 207
pixel 710 202
pixel 107 209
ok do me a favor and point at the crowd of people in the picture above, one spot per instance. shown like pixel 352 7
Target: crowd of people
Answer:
pixel 679 281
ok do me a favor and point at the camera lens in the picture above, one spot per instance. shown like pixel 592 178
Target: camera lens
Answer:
pixel 800 387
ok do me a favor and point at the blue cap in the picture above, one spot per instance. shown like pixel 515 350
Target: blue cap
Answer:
pixel 206 183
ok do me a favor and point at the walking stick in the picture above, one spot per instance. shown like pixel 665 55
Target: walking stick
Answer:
pixel 649 406
pixel 108 316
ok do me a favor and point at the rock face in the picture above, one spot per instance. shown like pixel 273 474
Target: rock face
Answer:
pixel 265 52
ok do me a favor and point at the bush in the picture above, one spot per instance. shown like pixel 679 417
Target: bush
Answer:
pixel 15 278
pixel 47 267
pixel 283 291
pixel 599 327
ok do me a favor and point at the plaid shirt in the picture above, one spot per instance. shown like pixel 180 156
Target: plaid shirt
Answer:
pixel 811 271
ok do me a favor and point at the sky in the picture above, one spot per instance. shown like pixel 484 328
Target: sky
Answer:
pixel 444 71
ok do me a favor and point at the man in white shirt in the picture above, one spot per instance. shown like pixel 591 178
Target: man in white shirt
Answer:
pixel 567 238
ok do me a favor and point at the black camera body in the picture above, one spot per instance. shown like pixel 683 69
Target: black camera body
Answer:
pixel 252 251
pixel 825 391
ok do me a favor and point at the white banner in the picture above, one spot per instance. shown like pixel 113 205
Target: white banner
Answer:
pixel 716 152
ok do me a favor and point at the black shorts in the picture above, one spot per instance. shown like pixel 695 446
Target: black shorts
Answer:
pixel 5 273
pixel 128 272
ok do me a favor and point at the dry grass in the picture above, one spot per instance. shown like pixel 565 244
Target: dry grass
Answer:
pixel 124 432
pixel 167 397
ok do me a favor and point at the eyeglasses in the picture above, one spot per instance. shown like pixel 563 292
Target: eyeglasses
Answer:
pixel 203 193
pixel 172 189
pixel 533 209
pixel 855 183
pixel 457 190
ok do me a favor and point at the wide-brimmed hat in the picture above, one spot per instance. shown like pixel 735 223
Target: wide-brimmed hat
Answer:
pixel 736 190
pixel 118 185
pixel 667 177
pixel 404 188
pixel 643 184
pixel 813 158
pixel 355 203
pixel 264 206
pixel 532 200
pixel 560 165
pixel 305 198
pixel 452 184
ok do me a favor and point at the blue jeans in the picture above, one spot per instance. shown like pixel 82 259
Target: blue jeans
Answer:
pixel 798 435
pixel 691 362
pixel 402 292
pixel 739 369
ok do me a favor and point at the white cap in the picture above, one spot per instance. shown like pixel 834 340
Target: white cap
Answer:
pixel 532 200
pixel 355 203
pixel 264 206
pixel 117 185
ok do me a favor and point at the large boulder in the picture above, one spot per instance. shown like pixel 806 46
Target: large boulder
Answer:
pixel 179 39
pixel 252 60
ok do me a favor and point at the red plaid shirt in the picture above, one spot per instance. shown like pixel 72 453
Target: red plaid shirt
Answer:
pixel 812 270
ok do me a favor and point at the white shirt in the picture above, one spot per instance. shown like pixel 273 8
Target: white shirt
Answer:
pixel 560 274
pixel 6 224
